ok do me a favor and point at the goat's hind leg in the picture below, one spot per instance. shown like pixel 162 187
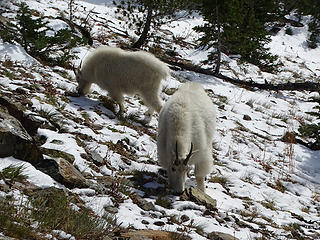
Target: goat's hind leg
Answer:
pixel 153 103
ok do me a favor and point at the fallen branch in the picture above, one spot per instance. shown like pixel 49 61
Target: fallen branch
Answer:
pixel 289 86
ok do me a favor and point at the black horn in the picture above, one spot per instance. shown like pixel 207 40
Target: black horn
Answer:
pixel 74 69
pixel 185 162
pixel 77 70
pixel 176 162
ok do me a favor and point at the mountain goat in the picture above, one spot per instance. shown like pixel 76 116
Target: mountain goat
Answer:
pixel 121 72
pixel 187 122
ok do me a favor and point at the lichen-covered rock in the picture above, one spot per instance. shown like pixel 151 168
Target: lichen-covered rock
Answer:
pixel 200 197
pixel 72 177
pixel 148 235
pixel 54 153
pixel 15 141
pixel 221 236
pixel 64 172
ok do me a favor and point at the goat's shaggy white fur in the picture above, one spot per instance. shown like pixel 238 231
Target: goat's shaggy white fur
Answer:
pixel 122 72
pixel 187 122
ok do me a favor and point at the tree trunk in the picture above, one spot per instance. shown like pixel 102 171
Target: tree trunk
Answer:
pixel 144 35
pixel 218 62
pixel 289 86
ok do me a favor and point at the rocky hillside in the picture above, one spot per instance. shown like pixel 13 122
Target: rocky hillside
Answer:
pixel 70 168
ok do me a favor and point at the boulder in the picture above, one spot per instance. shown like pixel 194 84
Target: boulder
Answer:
pixel 199 197
pixel 15 140
pixel 16 110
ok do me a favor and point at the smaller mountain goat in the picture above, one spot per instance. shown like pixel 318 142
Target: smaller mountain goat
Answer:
pixel 187 122
pixel 121 72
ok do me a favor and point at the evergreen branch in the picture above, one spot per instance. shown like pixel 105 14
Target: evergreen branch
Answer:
pixel 84 31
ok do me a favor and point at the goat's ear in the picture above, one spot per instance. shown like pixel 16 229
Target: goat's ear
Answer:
pixel 185 162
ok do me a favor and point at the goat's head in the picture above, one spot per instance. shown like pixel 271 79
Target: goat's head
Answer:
pixel 77 71
pixel 178 170
pixel 82 83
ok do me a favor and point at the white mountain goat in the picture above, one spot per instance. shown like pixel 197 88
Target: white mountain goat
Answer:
pixel 187 122
pixel 121 72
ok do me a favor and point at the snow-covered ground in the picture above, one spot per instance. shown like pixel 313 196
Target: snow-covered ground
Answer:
pixel 249 154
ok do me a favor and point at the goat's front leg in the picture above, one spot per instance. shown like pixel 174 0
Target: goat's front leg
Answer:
pixel 149 112
pixel 118 98
pixel 121 109
pixel 200 183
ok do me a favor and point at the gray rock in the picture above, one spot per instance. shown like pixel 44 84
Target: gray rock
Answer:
pixel 142 203
pixel 145 222
pixel 111 209
pixel 16 110
pixel 6 238
pixel 221 236
pixel 57 142
pixel 200 197
pixel 159 223
pixel 184 218
pixel 97 158
pixel 247 117
pixel 15 140
pixel 107 238
pixel 139 237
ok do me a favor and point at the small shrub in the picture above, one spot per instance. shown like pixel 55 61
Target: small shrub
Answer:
pixel 13 223
pixel 269 204
pixel 220 179
pixel 250 103
pixel 289 31
pixel 305 209
pixel 52 209
pixel 13 173
pixel 314 29
pixel 295 230
pixel 163 201
pixel 311 131
pixel 278 186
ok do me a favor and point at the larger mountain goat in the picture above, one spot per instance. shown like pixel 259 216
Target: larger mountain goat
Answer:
pixel 187 122
pixel 121 72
